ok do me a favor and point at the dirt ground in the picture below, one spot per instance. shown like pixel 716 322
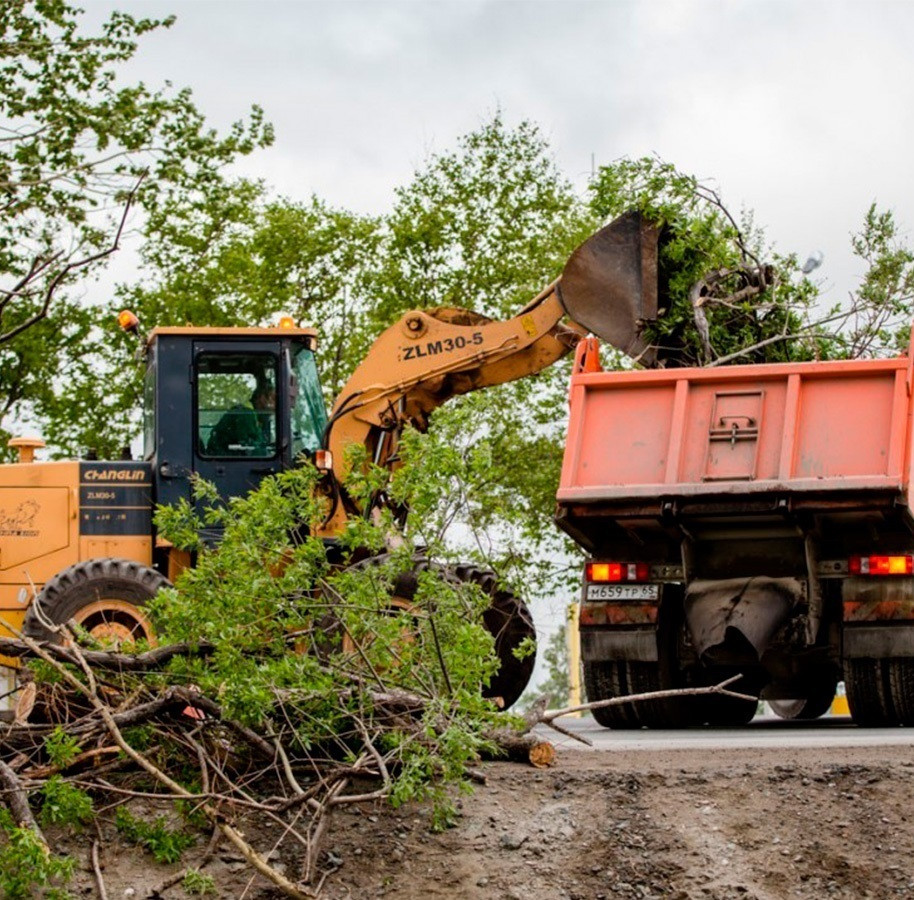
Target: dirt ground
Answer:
pixel 684 824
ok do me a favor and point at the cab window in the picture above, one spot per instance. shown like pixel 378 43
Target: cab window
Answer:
pixel 236 405
pixel 309 415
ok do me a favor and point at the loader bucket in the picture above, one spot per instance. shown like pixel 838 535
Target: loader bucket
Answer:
pixel 609 284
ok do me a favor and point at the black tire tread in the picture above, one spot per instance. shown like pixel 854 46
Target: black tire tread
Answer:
pixel 507 619
pixel 901 689
pixel 868 693
pixel 604 681
pixel 72 588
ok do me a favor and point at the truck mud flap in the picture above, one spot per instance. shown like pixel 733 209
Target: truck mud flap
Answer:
pixel 738 611
pixel 878 641
pixel 630 645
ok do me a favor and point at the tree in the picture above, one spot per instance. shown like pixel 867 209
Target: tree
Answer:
pixel 241 258
pixel 728 297
pixel 75 144
pixel 881 308
pixel 723 295
pixel 485 226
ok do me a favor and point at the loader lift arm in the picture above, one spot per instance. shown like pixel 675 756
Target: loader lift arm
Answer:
pixel 432 355
pixel 609 285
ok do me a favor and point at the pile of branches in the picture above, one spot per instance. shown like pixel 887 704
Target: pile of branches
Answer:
pixel 285 687
pixel 105 730
pixel 126 733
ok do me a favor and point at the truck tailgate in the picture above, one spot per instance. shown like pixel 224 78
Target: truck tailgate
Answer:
pixel 775 428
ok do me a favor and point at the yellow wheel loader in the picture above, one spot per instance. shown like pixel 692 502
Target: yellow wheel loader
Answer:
pixel 235 405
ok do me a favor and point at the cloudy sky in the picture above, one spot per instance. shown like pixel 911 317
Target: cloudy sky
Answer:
pixel 801 111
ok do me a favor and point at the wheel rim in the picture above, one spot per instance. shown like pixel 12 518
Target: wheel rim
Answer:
pixel 787 709
pixel 113 621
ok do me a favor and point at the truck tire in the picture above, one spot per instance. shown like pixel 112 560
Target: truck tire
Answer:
pixel 604 681
pixel 880 692
pixel 901 689
pixel 814 706
pixel 713 709
pixel 104 596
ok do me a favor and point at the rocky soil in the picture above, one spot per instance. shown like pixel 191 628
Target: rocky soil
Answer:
pixel 684 824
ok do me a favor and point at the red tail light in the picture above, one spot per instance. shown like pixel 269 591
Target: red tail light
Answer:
pixel 617 571
pixel 881 565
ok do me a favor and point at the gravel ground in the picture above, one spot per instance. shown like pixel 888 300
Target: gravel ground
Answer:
pixel 684 824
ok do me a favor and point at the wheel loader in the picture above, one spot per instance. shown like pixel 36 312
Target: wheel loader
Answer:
pixel 235 405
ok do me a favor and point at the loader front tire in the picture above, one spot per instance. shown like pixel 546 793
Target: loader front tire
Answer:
pixel 104 596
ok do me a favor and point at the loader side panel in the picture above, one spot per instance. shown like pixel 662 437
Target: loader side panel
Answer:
pixel 54 515
pixel 39 530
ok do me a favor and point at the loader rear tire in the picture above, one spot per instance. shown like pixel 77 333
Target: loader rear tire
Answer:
pixel 507 619
pixel 104 596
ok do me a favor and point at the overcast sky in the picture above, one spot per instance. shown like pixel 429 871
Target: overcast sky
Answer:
pixel 801 111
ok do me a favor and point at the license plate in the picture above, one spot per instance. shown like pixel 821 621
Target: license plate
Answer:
pixel 623 592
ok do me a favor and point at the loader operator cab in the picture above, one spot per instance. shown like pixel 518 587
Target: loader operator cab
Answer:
pixel 229 405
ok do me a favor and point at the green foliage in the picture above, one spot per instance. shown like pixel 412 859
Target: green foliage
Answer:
pixel 268 589
pixel 485 226
pixel 27 867
pixel 78 139
pixel 880 321
pixel 701 238
pixel 240 258
pixel 61 747
pixel 64 804
pixel 197 883
pixel 165 843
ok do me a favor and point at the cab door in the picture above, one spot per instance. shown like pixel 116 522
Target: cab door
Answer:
pixel 239 409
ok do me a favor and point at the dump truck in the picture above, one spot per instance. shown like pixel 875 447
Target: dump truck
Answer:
pixel 236 405
pixel 754 520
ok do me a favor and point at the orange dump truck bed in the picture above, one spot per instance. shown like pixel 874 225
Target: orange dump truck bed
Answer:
pixel 813 433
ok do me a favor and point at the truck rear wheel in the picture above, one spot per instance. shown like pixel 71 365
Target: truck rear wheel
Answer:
pixel 604 681
pixel 729 711
pixel 104 596
pixel 880 692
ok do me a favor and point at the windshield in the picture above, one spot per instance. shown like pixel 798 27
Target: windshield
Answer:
pixel 309 415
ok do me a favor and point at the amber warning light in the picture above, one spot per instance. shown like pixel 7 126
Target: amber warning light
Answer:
pixel 286 322
pixel 617 571
pixel 128 321
pixel 881 565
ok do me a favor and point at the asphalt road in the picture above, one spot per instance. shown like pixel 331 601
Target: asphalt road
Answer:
pixel 761 732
